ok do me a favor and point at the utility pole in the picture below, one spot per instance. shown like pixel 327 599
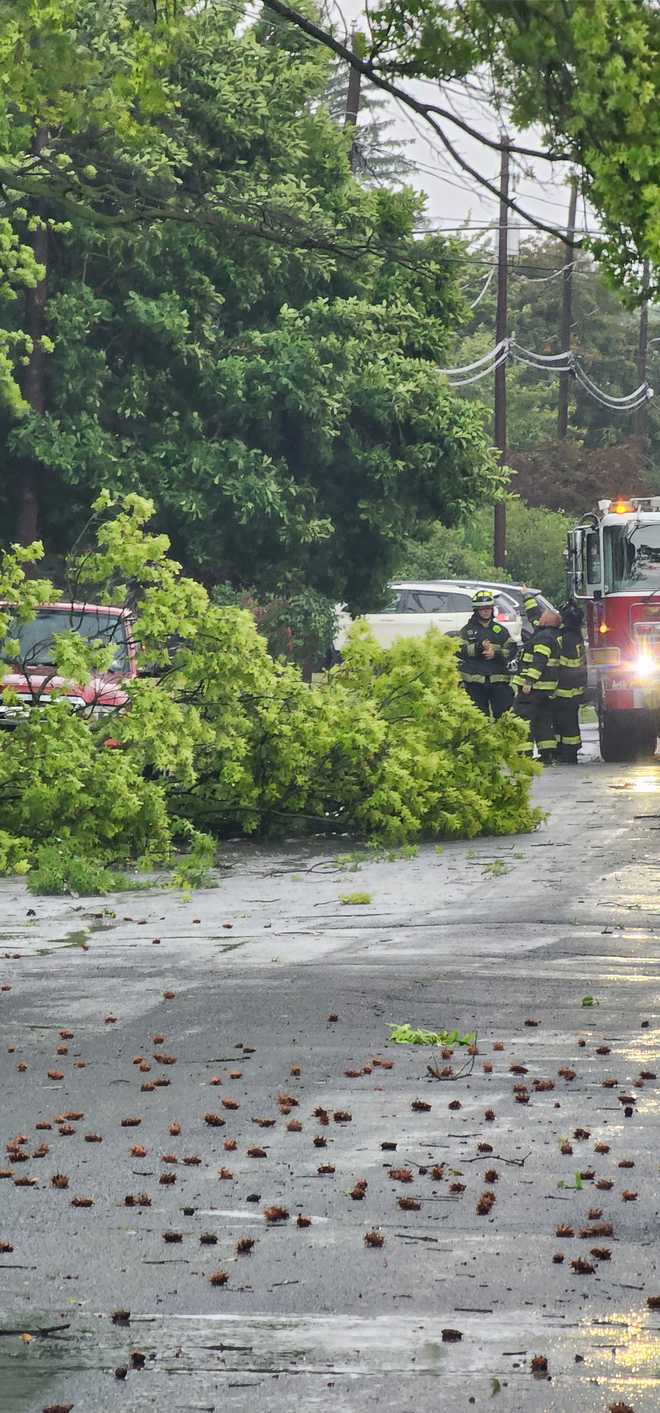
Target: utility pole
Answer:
pixel 353 98
pixel 641 415
pixel 499 535
pixel 566 319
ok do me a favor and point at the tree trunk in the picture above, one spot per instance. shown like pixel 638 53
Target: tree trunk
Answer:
pixel 34 383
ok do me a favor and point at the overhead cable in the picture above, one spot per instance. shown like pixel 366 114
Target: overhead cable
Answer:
pixel 489 281
pixel 629 397
pixel 463 382
pixel 556 363
pixel 543 357
pixel 479 362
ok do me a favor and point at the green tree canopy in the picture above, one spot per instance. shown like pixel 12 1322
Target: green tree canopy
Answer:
pixel 280 403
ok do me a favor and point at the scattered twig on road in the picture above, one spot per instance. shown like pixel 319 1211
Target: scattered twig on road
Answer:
pixel 457 1135
pixel 42 1333
pixel 471 1310
pixel 492 1157
pixel 180 1262
pixel 461 1074
pixel 408 1236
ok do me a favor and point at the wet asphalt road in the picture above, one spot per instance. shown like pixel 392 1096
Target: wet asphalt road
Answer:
pixel 502 937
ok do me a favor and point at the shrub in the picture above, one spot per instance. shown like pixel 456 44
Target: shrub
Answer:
pixel 300 628
pixel 58 871
pixel 536 540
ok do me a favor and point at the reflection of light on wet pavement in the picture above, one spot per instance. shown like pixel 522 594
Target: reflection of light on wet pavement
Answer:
pixel 645 784
pixel 632 1346
pixel 643 1050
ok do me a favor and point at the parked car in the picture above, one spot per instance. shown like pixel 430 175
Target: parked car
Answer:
pixel 33 678
pixel 417 606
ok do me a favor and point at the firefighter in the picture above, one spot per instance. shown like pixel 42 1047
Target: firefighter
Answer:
pixel 485 655
pixel 571 683
pixel 536 679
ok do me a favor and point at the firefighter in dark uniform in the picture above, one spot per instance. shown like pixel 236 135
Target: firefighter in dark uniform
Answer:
pixel 536 679
pixel 572 682
pixel 484 658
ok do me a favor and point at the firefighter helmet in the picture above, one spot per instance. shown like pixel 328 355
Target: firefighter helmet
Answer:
pixel 483 598
pixel 532 607
pixel 572 615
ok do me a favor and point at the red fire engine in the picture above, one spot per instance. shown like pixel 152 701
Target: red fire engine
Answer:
pixel 614 566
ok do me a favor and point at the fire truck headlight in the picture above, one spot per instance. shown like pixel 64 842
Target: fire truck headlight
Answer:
pixel 644 667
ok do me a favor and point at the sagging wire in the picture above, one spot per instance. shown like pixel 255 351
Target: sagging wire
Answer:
pixel 556 363
pixel 489 281
pixel 463 382
pixel 543 358
pixel 479 362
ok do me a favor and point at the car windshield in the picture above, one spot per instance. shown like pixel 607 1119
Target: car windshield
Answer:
pixel 36 638
pixel 422 600
pixel 632 556
pixel 505 606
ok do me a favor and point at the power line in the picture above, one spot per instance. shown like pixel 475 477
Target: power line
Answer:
pixel 555 363
pixel 479 362
pixel 489 278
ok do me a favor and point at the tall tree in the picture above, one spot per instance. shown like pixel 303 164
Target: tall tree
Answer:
pixel 278 397
pixel 66 67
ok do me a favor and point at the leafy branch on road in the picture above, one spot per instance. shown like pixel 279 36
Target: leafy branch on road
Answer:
pixel 216 735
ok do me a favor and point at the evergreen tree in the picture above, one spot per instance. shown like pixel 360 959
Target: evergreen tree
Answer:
pixel 378 157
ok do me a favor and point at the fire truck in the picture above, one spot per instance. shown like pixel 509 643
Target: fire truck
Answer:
pixel 614 568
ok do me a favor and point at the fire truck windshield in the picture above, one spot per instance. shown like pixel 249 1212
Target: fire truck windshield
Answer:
pixel 632 556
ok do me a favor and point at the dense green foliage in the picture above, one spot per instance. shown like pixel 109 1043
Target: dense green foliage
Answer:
pixel 234 325
pixel 280 403
pixel 301 628
pixel 536 540
pixel 220 737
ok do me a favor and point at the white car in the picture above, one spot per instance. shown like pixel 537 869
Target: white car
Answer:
pixel 417 606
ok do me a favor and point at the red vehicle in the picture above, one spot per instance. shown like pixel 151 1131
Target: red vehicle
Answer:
pixel 614 567
pixel 34 679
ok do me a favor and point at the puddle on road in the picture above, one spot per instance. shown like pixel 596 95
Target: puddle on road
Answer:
pixel 621 1350
pixel 643 1050
pixel 645 784
pixel 79 938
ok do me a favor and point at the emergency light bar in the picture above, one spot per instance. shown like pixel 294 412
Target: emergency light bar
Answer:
pixel 622 505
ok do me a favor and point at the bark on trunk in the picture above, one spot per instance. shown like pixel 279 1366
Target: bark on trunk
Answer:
pixel 34 383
